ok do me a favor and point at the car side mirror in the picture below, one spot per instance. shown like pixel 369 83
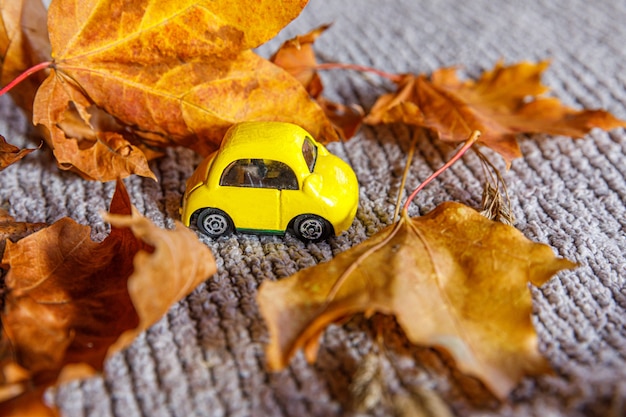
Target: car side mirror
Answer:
pixel 312 184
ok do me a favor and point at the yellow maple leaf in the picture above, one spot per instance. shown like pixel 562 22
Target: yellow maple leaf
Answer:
pixel 453 279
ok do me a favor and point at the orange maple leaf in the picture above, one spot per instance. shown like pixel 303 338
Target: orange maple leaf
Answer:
pixel 453 279
pixel 10 154
pixel 504 102
pixel 170 73
pixel 297 57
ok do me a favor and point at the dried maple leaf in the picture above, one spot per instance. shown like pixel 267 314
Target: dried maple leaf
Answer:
pixel 78 140
pixel 161 278
pixel 170 73
pixel 504 102
pixel 23 44
pixel 297 57
pixel 453 279
pixel 29 404
pixel 9 154
pixel 72 302
pixel 13 378
pixel 12 230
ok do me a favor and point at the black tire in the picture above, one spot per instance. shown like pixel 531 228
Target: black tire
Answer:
pixel 311 228
pixel 215 223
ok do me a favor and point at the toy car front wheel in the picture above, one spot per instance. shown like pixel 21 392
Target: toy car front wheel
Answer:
pixel 214 223
pixel 311 228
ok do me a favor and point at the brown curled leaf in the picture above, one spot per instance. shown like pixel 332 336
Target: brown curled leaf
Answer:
pixel 502 103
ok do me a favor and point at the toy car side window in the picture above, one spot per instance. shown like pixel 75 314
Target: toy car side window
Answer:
pixel 309 151
pixel 259 173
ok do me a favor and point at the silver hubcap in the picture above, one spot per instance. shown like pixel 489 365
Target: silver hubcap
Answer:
pixel 215 223
pixel 311 229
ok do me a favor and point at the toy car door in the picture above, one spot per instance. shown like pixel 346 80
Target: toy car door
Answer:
pixel 253 187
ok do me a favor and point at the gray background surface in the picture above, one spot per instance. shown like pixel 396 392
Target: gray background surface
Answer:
pixel 205 358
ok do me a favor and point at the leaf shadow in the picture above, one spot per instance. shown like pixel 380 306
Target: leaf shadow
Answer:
pixel 418 365
pixel 404 367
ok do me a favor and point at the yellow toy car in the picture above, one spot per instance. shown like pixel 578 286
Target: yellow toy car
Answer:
pixel 270 177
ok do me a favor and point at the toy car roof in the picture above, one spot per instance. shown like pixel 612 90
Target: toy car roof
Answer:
pixel 263 138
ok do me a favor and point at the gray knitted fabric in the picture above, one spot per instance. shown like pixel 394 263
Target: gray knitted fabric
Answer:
pixel 205 358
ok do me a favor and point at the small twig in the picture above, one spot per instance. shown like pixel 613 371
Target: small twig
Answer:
pixel 416 133
pixel 493 206
pixel 366 387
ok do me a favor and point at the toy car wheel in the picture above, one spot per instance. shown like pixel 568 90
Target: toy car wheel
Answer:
pixel 311 228
pixel 214 223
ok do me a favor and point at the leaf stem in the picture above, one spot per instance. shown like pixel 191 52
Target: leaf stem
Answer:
pixel 332 293
pixel 362 68
pixel 354 265
pixel 468 144
pixel 24 75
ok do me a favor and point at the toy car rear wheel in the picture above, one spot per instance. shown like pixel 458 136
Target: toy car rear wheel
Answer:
pixel 311 228
pixel 214 223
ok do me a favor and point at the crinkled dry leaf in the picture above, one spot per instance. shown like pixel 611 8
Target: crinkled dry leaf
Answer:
pixel 10 154
pixel 13 378
pixel 504 102
pixel 13 230
pixel 77 139
pixel 161 278
pixel 297 57
pixel 170 73
pixel 29 404
pixel 453 279
pixel 23 43
pixel 72 302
